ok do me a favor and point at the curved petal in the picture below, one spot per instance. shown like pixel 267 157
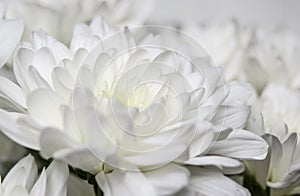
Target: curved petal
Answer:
pixel 22 174
pixel 225 164
pixel 160 179
pixel 12 91
pixel 57 177
pixel 124 183
pixel 53 140
pixel 289 180
pixel 276 153
pixel 10 34
pixel 40 39
pixel 44 106
pixel 288 150
pixel 44 63
pixel 241 144
pixel 209 181
pixel 289 183
pixel 23 59
pixel 39 187
pixel 14 126
pixel 231 117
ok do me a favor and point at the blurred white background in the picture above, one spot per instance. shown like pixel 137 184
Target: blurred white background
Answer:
pixel 281 13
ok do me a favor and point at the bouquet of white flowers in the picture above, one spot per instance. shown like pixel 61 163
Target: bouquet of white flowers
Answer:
pixel 92 104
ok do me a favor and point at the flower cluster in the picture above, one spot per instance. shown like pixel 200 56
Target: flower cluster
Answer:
pixel 112 109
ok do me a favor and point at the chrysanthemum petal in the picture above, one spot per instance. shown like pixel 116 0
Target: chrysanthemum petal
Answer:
pixel 10 34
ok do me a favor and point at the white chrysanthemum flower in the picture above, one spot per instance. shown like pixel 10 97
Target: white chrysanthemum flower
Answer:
pixel 130 108
pixel 278 104
pixel 23 180
pixel 274 56
pixel 280 170
pixel 269 62
pixel 58 17
pixel 256 55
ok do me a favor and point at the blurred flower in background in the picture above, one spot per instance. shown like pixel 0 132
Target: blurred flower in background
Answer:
pixel 58 17
pixel 280 170
pixel 226 42
pixel 268 59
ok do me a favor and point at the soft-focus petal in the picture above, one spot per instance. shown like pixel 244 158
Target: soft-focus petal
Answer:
pixel 81 158
pixel 53 140
pixel 125 183
pixel 57 177
pixel 160 179
pixel 10 34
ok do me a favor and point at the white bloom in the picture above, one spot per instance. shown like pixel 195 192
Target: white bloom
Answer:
pixel 280 170
pixel 23 180
pixel 58 17
pixel 130 108
pixel 279 104
pixel 276 55
pixel 256 55
pixel 271 57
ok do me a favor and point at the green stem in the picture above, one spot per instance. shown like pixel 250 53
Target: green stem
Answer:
pixel 89 177
pixel 252 185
